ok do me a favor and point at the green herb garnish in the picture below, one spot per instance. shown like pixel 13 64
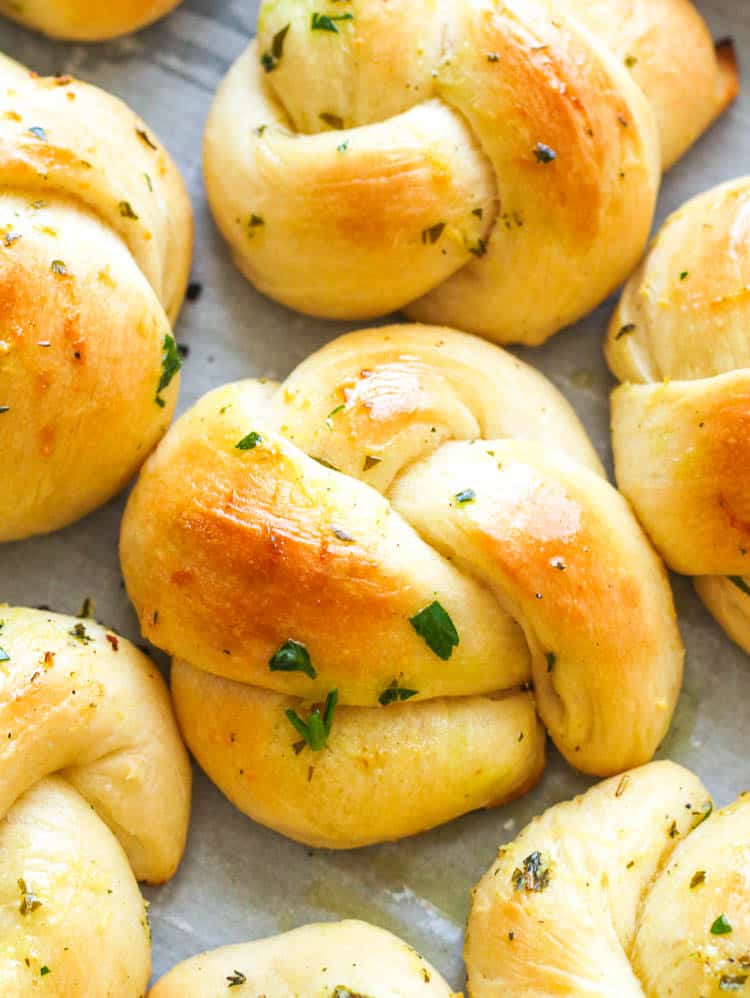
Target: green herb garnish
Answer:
pixel 432 234
pixel 434 625
pixel 171 362
pixel 251 441
pixel 544 154
pixel 236 978
pixel 253 223
pixel 126 210
pixel 293 656
pixel 327 22
pixel 317 729
pixel 467 495
pixel 551 661
pixel 4 656
pixel 395 694
pixel 698 878
pixel 144 137
pixel 270 60
pixel 534 877
pixel 738 581
pixel 80 633
pixel 29 901
pixel 721 926
pixel 38 132
pixel 59 268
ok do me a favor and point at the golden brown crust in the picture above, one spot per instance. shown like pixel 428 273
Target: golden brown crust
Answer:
pixel 95 243
pixel 667 47
pixel 375 481
pixel 389 162
pixel 86 20
pixel 680 421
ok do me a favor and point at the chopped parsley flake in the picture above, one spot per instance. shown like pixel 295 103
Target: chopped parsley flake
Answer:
pixel 29 901
pixel 698 878
pixel 80 633
pixel 38 132
pixel 126 210
pixel 250 442
pixel 467 495
pixel 721 926
pixel 236 978
pixel 316 730
pixel 327 22
pixel 432 234
pixel 145 138
pixel 171 362
pixel 293 656
pixel 435 626
pixel 270 60
pixel 738 581
pixel 534 877
pixel 544 154
pixel 395 694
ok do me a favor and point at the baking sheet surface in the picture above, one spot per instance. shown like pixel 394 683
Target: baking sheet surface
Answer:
pixel 240 881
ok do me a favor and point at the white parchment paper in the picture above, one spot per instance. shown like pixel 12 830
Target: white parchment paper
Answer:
pixel 240 881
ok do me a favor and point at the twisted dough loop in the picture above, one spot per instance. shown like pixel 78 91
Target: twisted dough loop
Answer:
pixel 95 243
pixel 445 471
pixel 487 165
pixel 617 894
pixel 337 959
pixel 86 20
pixel 94 781
pixel 680 422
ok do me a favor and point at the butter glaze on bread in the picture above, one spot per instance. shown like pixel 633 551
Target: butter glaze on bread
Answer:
pixel 395 469
pixel 681 419
pixel 490 166
pixel 86 20
pixel 95 246
pixel 637 889
pixel 94 795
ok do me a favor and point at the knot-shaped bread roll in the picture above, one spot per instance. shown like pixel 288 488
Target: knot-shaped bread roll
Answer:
pixel 681 423
pixel 337 959
pixel 488 166
pixel 94 793
pixel 86 20
pixel 634 889
pixel 408 531
pixel 95 244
